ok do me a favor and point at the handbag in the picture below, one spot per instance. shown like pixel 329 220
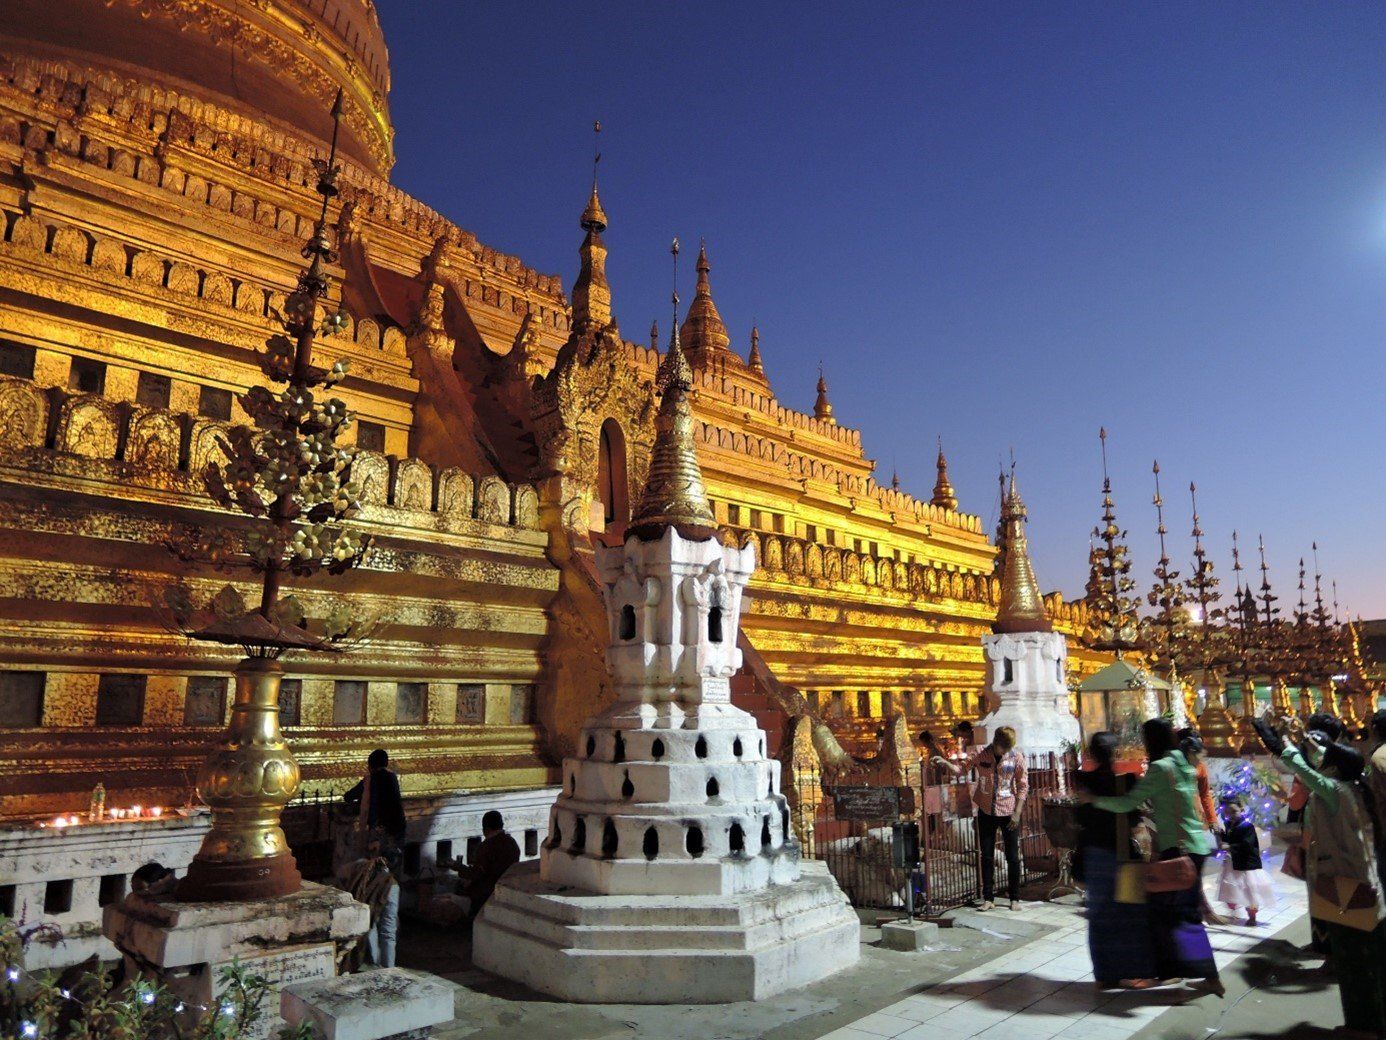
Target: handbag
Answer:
pixel 1345 901
pixel 1293 864
pixel 1129 884
pixel 1177 874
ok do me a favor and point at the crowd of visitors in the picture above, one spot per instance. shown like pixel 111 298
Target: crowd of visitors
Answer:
pixel 1147 912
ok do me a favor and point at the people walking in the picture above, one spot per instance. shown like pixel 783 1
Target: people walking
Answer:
pixel 999 797
pixel 1243 883
pixel 1345 896
pixel 1118 931
pixel 1191 744
pixel 1174 882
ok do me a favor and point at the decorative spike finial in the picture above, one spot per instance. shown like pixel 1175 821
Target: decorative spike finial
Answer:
pixel 822 408
pixel 593 218
pixel 1167 594
pixel 591 293
pixel 673 494
pixel 753 360
pixel 1020 607
pixel 944 497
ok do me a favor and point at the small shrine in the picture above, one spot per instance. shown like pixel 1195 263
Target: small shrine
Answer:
pixel 671 872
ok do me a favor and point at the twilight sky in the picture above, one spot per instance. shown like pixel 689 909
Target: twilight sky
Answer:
pixel 1006 223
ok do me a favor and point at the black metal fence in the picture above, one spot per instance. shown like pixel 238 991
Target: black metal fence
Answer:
pixel 882 862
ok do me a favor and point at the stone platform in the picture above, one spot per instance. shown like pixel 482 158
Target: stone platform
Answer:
pixel 288 939
pixel 665 949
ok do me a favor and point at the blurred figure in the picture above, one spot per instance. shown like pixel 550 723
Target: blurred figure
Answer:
pixel 496 854
pixel 379 806
pixel 1242 882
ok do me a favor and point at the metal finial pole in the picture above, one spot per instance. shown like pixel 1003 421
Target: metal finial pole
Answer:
pixel 596 150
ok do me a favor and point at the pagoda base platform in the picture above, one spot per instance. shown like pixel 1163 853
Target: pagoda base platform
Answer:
pixel 599 949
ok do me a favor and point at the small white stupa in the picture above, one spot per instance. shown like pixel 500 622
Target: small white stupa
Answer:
pixel 1026 659
pixel 670 873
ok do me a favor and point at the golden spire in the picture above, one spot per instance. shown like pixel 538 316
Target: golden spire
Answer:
pixel 822 408
pixel 753 359
pixel 591 293
pixel 654 336
pixel 674 495
pixel 1021 609
pixel 703 334
pixel 944 497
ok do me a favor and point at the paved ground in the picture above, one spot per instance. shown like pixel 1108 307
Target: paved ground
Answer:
pixel 972 985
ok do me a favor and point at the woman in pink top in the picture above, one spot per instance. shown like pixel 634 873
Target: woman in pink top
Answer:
pixel 999 796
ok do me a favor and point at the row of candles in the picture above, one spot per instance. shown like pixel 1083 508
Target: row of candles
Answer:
pixel 97 812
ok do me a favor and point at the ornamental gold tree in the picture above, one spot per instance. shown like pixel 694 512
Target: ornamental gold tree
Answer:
pixel 1112 621
pixel 289 475
pixel 1165 634
pixel 1209 643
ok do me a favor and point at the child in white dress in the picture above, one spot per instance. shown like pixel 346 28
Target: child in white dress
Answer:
pixel 1243 883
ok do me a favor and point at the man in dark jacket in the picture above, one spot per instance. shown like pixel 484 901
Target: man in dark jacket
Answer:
pixel 496 854
pixel 377 800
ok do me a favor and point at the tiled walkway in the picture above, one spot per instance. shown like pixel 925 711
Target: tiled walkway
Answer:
pixel 1044 990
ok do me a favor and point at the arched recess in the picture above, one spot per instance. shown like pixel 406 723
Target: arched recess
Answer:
pixel 611 510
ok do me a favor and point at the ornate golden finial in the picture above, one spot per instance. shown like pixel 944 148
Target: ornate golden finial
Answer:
pixel 703 336
pixel 753 359
pixel 674 495
pixel 822 408
pixel 591 293
pixel 944 496
pixel 894 480
pixel 1021 609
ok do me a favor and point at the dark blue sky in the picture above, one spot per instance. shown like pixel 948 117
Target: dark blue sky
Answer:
pixel 1009 224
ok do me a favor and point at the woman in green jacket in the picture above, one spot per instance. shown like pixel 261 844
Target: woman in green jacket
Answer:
pixel 1170 785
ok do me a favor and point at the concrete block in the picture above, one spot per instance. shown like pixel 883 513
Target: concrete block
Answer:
pixel 909 936
pixel 999 920
pixel 375 1005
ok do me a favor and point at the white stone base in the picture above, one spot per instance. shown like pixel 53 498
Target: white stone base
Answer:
pixel 666 949
pixel 374 1005
pixel 286 940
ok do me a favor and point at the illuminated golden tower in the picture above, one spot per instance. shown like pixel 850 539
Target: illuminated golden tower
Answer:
pixel 1021 609
pixel 944 496
pixel 822 407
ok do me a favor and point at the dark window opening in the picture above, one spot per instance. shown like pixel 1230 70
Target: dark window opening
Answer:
pixel 579 835
pixel 444 851
pixel 57 897
pixel 657 749
pixel 531 842
pixel 473 847
pixel 736 838
pixel 700 748
pixel 349 703
pixel 411 703
pixel 627 788
pixel 1007 670
pixel 572 783
pixel 21 699
pixel 290 700
pixel 765 838
pixel 120 700
pixel 618 749
pixel 770 788
pixel 609 840
pixel 736 748
pixel 650 846
pixel 205 704
pixel 557 840
pixel 370 436
pixel 694 842
pixel 153 390
pixel 627 622
pixel 110 890
pixel 784 825
pixel 16 359
pixel 714 625
pixel 214 403
pixel 7 900
pixel 87 376
pixel 591 746
pixel 713 789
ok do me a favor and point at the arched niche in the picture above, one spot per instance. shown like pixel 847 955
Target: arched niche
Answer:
pixel 611 508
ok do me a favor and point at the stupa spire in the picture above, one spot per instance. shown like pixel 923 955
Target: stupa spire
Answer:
pixel 591 293
pixel 1021 609
pixel 674 494
pixel 944 496
pixel 753 360
pixel 704 335
pixel 822 408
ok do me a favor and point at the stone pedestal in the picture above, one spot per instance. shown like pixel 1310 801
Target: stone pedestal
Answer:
pixel 1026 684
pixel 908 936
pixel 390 1004
pixel 671 949
pixel 285 940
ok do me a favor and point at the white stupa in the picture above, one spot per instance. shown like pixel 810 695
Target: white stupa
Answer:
pixel 670 873
pixel 1026 659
